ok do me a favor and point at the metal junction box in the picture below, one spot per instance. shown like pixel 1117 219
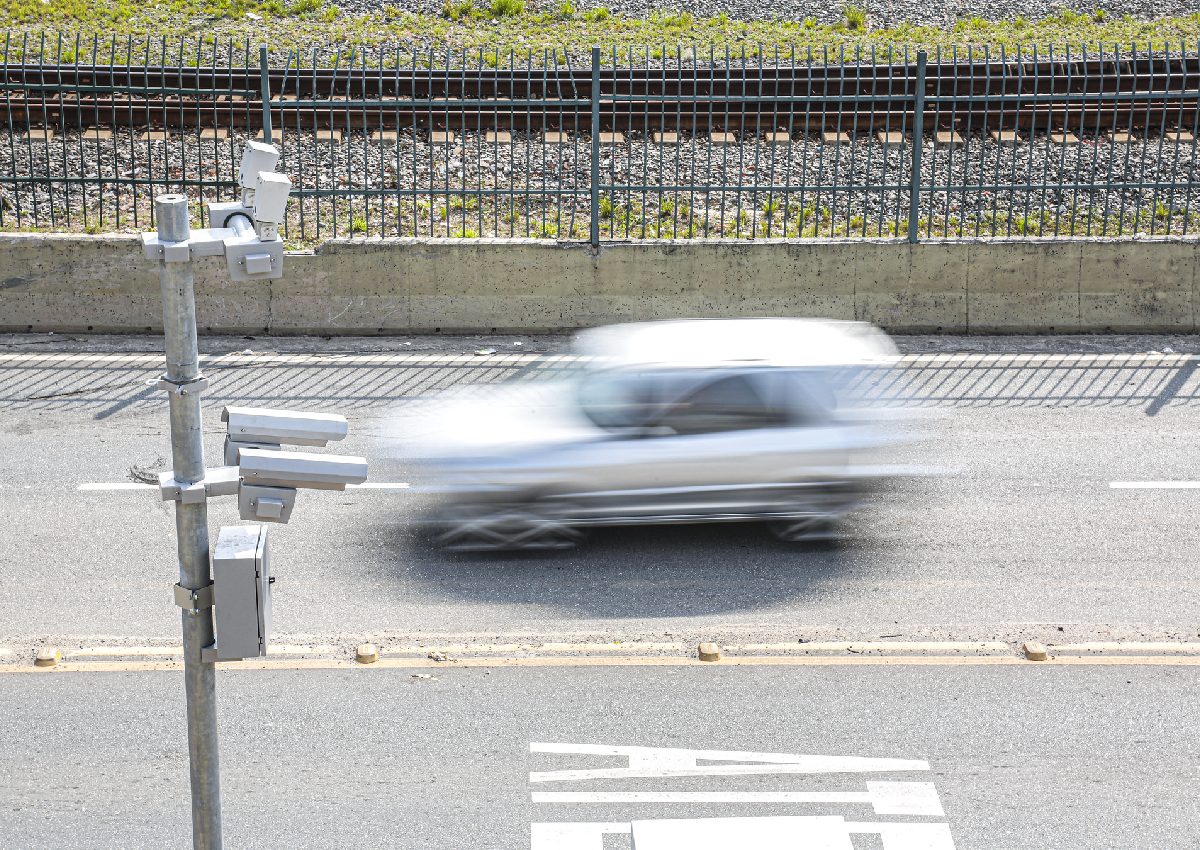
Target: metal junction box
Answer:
pixel 242 592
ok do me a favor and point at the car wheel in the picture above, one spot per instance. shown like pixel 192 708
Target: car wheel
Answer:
pixel 500 528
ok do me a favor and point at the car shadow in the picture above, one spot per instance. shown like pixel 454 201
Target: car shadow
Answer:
pixel 638 572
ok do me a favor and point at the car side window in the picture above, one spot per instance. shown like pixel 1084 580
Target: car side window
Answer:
pixel 617 401
pixel 726 404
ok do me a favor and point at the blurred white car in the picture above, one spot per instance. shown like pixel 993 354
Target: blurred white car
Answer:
pixel 663 422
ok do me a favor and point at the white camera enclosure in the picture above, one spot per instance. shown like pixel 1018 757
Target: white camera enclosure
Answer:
pixel 301 469
pixel 242 592
pixel 253 259
pixel 222 213
pixel 256 157
pixel 271 197
pixel 293 427
pixel 266 504
pixel 234 447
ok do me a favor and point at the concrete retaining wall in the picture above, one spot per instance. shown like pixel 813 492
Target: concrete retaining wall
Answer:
pixel 103 284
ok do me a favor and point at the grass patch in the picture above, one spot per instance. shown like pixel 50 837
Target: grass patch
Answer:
pixel 507 8
pixel 856 18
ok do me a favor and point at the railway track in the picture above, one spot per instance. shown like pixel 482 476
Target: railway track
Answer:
pixel 1143 93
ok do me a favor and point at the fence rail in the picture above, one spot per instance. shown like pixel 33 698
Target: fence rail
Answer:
pixel 659 145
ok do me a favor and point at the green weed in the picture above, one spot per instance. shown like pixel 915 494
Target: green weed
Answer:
pixel 459 10
pixel 507 8
pixel 856 17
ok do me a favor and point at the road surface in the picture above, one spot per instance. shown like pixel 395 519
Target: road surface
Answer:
pixel 1064 514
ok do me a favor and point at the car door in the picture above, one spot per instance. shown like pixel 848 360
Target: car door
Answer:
pixel 714 441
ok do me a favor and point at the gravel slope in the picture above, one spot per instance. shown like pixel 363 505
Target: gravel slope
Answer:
pixel 794 177
pixel 880 13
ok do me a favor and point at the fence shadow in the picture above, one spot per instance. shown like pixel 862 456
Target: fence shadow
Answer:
pixel 102 386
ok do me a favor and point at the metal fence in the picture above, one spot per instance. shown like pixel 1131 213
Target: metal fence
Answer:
pixel 588 145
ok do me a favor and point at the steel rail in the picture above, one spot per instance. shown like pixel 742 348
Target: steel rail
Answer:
pixel 1106 93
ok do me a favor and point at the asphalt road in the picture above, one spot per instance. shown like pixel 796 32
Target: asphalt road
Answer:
pixel 1023 535
pixel 1019 757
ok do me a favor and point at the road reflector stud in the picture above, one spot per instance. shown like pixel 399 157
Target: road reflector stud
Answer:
pixel 1035 651
pixel 709 652
pixel 47 656
pixel 366 653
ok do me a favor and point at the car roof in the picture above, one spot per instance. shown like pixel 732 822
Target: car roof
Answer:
pixel 707 343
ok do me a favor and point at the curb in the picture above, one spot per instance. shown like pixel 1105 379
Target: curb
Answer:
pixel 112 658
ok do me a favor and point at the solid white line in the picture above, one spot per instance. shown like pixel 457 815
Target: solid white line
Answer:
pixel 701 797
pixel 129 485
pixel 1154 485
pixel 818 764
pixel 119 485
pixel 210 360
pixel 706 770
pixel 1141 647
pixel 446 358
pixel 887 798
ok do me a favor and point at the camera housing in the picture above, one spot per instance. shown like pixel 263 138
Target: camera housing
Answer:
pixel 257 157
pixel 294 427
pixel 303 470
pixel 270 197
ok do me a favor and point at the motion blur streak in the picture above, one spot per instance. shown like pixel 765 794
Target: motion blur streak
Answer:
pixel 662 422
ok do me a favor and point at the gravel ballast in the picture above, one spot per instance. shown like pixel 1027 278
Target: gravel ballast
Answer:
pixel 467 188
pixel 880 13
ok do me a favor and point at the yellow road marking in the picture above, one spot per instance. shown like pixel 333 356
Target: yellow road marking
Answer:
pixel 120 651
pixel 154 651
pixel 534 646
pixel 874 646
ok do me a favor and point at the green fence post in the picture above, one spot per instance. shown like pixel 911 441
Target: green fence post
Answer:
pixel 914 192
pixel 265 81
pixel 595 224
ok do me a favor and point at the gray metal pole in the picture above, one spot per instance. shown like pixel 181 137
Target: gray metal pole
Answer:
pixel 191 522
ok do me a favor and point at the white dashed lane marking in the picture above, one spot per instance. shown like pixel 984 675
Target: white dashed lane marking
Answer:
pixel 115 486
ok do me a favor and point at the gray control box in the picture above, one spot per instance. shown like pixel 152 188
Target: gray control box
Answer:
pixel 242 592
